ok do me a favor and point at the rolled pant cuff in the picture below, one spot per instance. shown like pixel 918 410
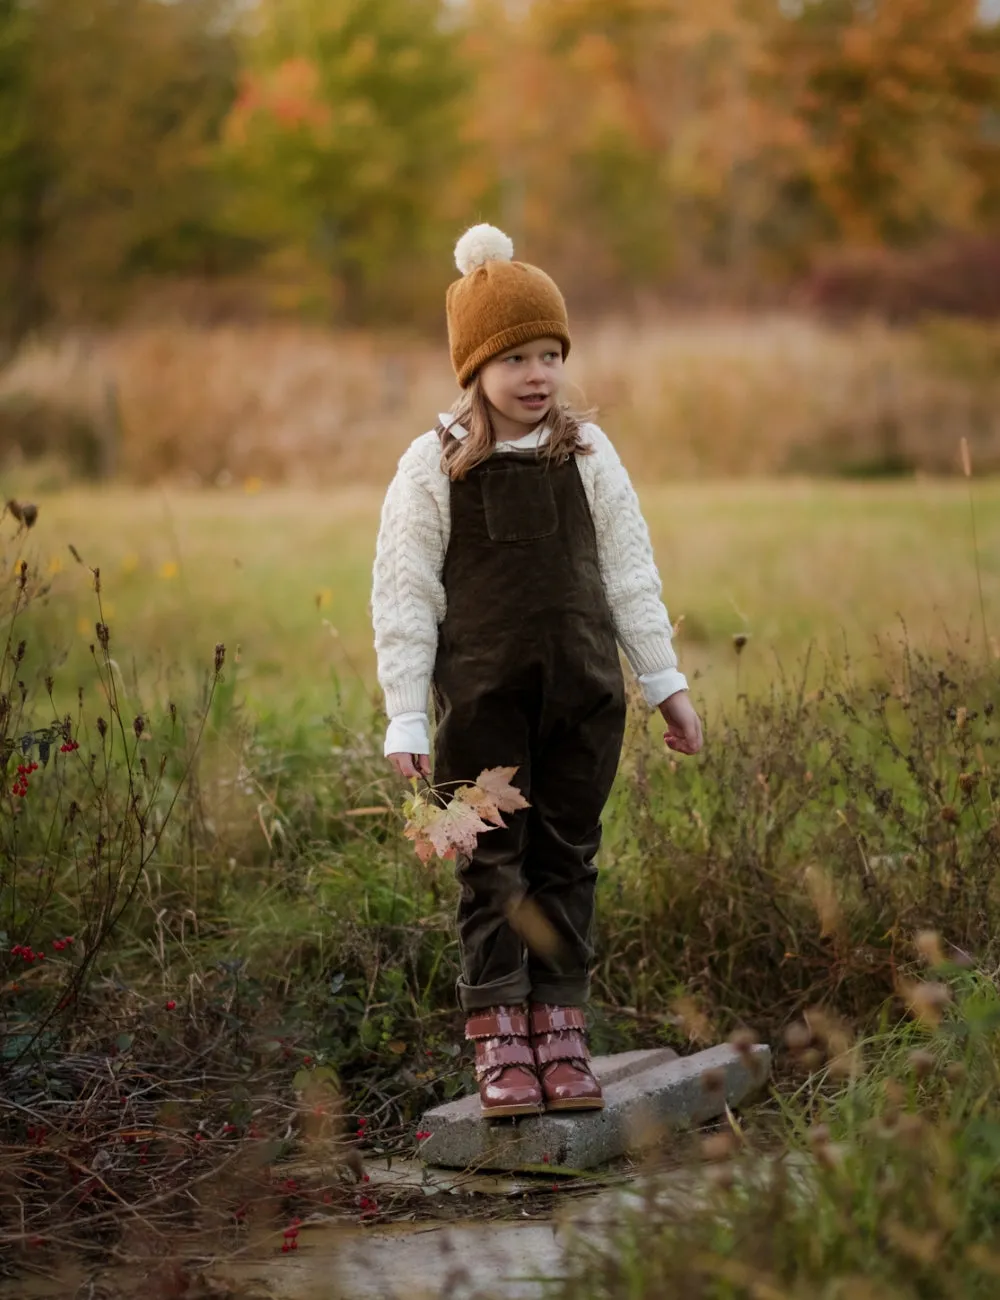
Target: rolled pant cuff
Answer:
pixel 574 992
pixel 509 991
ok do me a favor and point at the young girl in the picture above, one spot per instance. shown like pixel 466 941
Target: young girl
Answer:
pixel 512 559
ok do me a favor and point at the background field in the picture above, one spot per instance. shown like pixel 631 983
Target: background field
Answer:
pixel 284 577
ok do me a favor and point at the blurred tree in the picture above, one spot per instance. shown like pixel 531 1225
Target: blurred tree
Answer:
pixel 23 172
pixel 890 99
pixel 109 110
pixel 343 139
pixel 634 122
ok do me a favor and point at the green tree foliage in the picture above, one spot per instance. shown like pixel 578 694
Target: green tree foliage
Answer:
pixel 106 147
pixel 343 136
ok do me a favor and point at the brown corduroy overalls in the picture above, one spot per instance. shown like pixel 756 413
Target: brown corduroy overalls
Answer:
pixel 528 676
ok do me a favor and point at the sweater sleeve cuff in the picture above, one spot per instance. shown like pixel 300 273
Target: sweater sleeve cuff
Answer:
pixel 409 697
pixel 408 733
pixel 657 687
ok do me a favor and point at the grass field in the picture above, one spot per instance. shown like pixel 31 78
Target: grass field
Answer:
pixel 257 953
pixel 284 576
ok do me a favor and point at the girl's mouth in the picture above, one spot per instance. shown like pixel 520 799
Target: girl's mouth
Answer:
pixel 534 401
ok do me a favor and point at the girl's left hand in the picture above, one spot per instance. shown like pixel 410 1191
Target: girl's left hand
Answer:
pixel 684 735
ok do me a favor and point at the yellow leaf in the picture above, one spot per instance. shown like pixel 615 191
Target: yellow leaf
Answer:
pixel 397 1047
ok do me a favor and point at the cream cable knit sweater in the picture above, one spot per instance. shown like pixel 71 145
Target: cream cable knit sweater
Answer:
pixel 408 597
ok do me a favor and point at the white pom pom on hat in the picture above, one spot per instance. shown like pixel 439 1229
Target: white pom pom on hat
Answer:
pixel 481 244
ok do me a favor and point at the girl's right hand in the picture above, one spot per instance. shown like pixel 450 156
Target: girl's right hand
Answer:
pixel 411 765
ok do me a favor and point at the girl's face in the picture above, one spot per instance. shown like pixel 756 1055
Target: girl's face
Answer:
pixel 523 384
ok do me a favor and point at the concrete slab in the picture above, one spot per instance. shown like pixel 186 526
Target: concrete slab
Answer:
pixel 646 1094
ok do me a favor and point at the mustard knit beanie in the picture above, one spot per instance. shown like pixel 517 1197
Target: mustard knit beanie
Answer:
pixel 498 303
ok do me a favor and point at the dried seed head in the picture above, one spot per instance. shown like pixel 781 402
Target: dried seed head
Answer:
pixel 97 580
pixel 847 1065
pixel 819 1135
pixel 917 1244
pixel 717 1146
pixel 949 814
pixel 102 728
pixel 823 896
pixel 961 717
pixel 830 1155
pixel 911 1130
pixel 138 725
pixel 811 1060
pixel 821 1023
pixel 693 1020
pixel 968 781
pixel 894 1091
pixel 739 641
pixel 220 656
pixel 927 1000
pixel 922 1063
pixel 713 1081
pixel 721 1176
pixel 103 635
pixel 23 512
pixel 798 1037
pixel 744 1040
pixel 929 947
pixel 22 575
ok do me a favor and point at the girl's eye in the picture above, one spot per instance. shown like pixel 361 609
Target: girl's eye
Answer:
pixel 551 356
pixel 517 358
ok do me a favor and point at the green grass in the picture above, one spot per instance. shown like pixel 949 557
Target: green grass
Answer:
pixel 275 935
pixel 284 578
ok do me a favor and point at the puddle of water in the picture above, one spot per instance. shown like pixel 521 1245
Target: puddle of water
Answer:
pixel 488 1261
pixel 506 1259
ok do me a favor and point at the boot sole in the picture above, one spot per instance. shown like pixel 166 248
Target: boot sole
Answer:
pixel 584 1103
pixel 506 1112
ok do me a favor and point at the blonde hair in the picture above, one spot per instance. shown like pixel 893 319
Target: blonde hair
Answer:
pixel 472 412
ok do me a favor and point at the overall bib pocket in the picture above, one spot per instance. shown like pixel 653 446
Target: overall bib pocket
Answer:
pixel 519 505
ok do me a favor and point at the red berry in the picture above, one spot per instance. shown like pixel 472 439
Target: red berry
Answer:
pixel 40 956
pixel 69 939
pixel 171 1005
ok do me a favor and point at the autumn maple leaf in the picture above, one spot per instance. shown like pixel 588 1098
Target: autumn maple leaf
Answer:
pixel 449 828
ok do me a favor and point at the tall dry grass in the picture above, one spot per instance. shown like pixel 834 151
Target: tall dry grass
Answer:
pixel 682 398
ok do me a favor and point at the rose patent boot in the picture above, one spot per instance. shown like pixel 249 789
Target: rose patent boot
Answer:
pixel 557 1036
pixel 505 1063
